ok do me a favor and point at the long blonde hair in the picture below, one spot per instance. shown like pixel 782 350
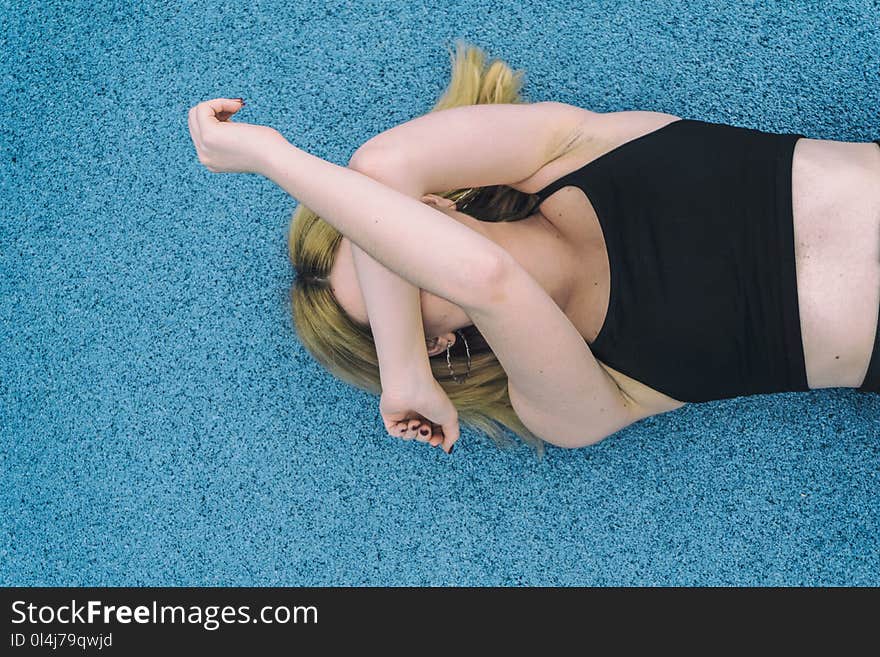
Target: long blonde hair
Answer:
pixel 345 347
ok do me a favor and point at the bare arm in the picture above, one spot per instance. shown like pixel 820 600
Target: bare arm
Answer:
pixel 383 222
pixel 470 146
pixel 556 385
pixel 558 388
pixel 394 310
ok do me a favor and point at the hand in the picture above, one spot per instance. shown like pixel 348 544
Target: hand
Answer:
pixel 224 146
pixel 422 413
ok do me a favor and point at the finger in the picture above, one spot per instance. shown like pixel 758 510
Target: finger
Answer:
pixel 393 427
pixel 414 428
pixel 207 111
pixel 450 436
pixel 406 431
pixel 400 430
pixel 433 433
pixel 436 438
pixel 412 433
pixel 429 432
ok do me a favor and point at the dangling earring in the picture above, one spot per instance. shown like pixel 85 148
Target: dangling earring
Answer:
pixel 449 360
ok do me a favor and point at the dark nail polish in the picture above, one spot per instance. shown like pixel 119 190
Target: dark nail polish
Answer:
pixel 450 449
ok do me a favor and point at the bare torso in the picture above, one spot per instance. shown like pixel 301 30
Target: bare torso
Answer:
pixel 836 210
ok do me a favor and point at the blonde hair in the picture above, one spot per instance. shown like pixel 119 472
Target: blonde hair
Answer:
pixel 345 347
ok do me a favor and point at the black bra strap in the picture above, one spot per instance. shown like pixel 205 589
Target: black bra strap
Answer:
pixel 542 194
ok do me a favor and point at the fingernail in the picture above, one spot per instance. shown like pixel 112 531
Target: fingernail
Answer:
pixel 450 449
pixel 423 431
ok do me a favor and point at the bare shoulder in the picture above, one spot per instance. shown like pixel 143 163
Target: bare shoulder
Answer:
pixel 591 134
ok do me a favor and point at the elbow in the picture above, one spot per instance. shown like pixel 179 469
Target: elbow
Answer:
pixel 574 442
pixel 367 159
pixel 493 270
pixel 358 160
pixel 388 168
pixel 567 433
pixel 487 281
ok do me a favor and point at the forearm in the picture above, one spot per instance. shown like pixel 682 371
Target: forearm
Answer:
pixel 395 314
pixel 393 304
pixel 390 226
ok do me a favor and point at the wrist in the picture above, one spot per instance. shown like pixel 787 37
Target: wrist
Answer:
pixel 414 377
pixel 275 158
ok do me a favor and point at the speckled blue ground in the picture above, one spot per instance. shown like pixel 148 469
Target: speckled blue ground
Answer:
pixel 160 423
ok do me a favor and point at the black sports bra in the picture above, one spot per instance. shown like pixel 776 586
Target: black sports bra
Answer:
pixel 697 222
